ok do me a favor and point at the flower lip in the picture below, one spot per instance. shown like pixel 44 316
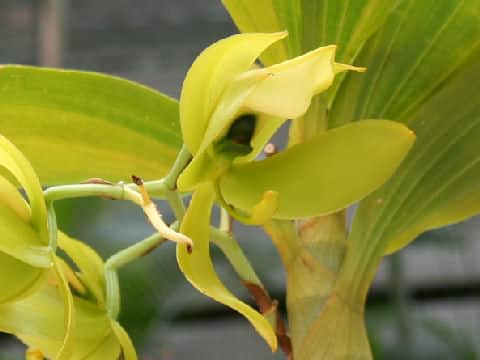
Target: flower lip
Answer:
pixel 237 141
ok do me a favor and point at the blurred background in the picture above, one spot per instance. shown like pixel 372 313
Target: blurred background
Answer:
pixel 425 303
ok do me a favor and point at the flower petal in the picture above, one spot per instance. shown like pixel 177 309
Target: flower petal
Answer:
pixel 315 178
pixel 15 162
pixel 287 93
pixel 88 262
pixel 128 349
pixel 210 74
pixel 198 268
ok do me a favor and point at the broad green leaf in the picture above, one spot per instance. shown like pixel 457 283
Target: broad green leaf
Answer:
pixel 210 74
pixel 316 177
pixel 76 125
pixel 314 23
pixel 433 89
pixel 198 267
pixel 257 16
pixel 89 264
pixel 429 187
pixel 409 60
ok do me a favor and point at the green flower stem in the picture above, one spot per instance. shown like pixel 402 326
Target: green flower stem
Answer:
pixel 115 191
pixel 245 271
pixel 182 160
pixel 122 258
pixel 235 255
pixel 176 203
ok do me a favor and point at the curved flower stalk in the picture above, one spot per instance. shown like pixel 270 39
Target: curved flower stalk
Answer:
pixel 229 110
pixel 38 322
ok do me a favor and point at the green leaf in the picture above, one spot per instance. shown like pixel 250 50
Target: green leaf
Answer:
pixel 245 14
pixel 409 60
pixel 198 267
pixel 435 90
pixel 75 125
pixel 315 178
pixel 314 23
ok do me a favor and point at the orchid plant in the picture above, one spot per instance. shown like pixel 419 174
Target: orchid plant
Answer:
pixel 62 127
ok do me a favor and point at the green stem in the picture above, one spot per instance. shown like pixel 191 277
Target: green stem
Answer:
pixel 235 255
pixel 116 191
pixel 122 258
pixel 182 160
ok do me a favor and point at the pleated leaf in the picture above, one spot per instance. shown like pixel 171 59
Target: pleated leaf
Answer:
pixel 434 88
pixel 75 125
pixel 254 16
pixel 313 23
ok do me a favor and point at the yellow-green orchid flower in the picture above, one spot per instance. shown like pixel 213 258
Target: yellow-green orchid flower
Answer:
pixel 229 109
pixel 27 251
pixel 38 320
pixel 24 249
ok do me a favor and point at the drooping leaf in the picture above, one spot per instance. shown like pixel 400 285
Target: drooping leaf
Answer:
pixel 316 177
pixel 75 125
pixel 198 268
